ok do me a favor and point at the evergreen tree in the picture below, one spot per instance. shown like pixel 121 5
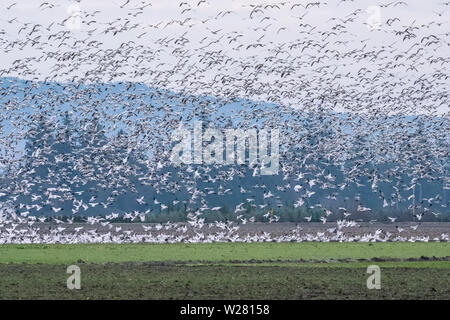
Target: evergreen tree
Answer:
pixel 40 176
pixel 92 164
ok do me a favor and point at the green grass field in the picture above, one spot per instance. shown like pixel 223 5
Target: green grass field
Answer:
pixel 226 271
pixel 217 252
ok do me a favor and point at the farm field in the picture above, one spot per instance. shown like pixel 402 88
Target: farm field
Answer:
pixel 171 281
pixel 219 252
pixel 426 229
pixel 226 271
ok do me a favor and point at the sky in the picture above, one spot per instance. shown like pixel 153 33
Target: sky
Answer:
pixel 211 26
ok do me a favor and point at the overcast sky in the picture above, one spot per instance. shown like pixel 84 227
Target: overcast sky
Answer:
pixel 219 21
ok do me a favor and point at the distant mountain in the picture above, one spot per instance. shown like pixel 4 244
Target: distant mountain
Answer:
pixel 104 148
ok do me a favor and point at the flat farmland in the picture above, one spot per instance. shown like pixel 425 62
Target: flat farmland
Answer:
pixel 226 271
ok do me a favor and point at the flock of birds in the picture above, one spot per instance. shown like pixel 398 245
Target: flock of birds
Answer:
pixel 339 89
